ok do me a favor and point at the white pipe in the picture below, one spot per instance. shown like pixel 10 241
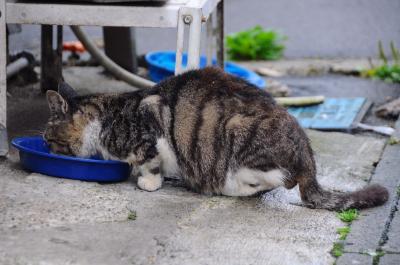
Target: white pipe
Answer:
pixel 111 66
pixel 16 66
pixel 379 129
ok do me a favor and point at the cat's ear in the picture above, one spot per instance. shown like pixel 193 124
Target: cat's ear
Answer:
pixel 66 91
pixel 57 104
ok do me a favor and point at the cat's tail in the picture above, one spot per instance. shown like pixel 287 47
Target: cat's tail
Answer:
pixel 314 196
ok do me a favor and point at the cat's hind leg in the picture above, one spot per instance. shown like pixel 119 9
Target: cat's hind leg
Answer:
pixel 246 181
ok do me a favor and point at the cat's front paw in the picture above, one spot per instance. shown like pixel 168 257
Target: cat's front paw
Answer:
pixel 150 182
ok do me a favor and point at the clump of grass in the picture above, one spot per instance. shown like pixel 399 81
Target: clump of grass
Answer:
pixel 337 250
pixel 393 140
pixel 343 232
pixel 377 256
pixel 386 72
pixel 132 215
pixel 348 216
pixel 255 44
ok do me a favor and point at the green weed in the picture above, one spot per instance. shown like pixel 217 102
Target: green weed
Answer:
pixel 132 215
pixel 337 250
pixel 393 140
pixel 343 232
pixel 385 72
pixel 377 256
pixel 255 44
pixel 348 216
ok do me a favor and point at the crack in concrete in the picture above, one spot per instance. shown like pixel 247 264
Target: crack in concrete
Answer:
pixel 395 203
pixel 384 237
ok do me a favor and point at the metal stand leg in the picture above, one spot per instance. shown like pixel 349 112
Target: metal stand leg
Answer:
pixel 220 34
pixel 194 41
pixel 193 18
pixel 120 46
pixel 180 35
pixel 3 81
pixel 209 40
pixel 51 60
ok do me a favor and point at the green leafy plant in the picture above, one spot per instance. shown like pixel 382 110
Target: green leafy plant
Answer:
pixel 348 216
pixel 393 140
pixel 132 215
pixel 377 256
pixel 337 250
pixel 343 232
pixel 255 44
pixel 387 72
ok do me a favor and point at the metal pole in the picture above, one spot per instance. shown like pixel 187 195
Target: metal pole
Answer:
pixel 120 46
pixel 180 34
pixel 220 34
pixel 209 40
pixel 194 40
pixel 3 81
pixel 51 60
pixel 16 66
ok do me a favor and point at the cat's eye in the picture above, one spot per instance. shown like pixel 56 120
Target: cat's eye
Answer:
pixel 254 185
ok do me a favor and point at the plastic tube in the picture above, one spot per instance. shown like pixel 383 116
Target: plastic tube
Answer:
pixel 17 66
pixel 109 64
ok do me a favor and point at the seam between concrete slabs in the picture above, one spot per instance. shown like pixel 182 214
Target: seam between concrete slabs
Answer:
pixel 369 233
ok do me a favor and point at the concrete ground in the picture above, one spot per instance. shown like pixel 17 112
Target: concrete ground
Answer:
pixel 47 220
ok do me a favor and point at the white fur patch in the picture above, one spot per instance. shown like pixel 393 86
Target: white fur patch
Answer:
pixel 153 99
pixel 150 182
pixel 90 139
pixel 169 164
pixel 131 159
pixel 246 181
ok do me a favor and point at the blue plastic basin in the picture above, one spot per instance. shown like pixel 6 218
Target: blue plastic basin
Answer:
pixel 162 65
pixel 35 156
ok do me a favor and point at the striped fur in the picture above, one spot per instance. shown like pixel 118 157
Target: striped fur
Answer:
pixel 218 132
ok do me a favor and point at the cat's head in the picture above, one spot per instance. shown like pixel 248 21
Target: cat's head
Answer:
pixel 68 123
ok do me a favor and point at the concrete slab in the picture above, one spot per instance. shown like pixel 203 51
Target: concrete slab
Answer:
pixel 339 166
pixel 354 259
pixel 50 220
pixel 312 66
pixel 53 220
pixel 59 221
pixel 373 223
pixel 390 259
pixel 393 235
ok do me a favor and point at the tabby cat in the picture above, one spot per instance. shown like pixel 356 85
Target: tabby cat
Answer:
pixel 220 134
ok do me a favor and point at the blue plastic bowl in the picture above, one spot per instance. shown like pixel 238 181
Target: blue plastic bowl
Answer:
pixel 35 156
pixel 162 65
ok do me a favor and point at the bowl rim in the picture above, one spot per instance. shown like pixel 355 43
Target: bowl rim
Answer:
pixel 17 143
